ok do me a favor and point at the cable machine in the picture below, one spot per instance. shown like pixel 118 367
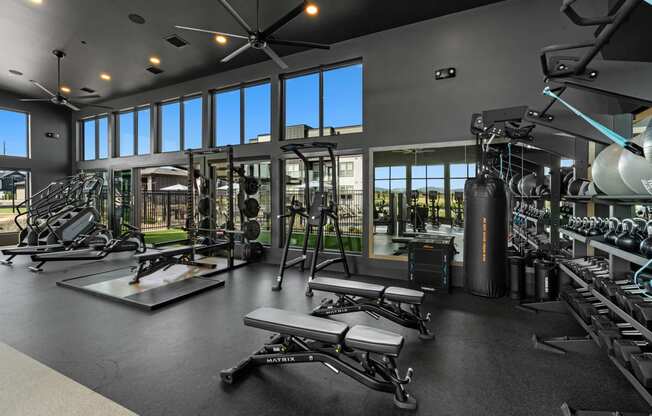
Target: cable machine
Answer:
pixel 316 213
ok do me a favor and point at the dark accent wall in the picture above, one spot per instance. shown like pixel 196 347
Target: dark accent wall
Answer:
pixel 494 48
pixel 50 158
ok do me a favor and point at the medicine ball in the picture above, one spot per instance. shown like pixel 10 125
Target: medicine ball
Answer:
pixel 605 172
pixel 575 186
pixel 567 175
pixel 513 184
pixel 635 170
pixel 527 184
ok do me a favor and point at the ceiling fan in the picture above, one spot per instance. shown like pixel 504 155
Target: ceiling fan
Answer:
pixel 59 98
pixel 262 40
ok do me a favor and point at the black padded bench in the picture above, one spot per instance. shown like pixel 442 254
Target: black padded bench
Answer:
pixel 376 300
pixel 148 263
pixel 363 353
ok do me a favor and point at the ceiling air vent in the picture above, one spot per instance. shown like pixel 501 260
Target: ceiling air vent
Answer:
pixel 176 41
pixel 88 90
pixel 154 70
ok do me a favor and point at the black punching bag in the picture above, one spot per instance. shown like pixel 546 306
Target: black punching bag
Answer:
pixel 485 236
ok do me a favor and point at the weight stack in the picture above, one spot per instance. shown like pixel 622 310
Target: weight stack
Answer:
pixel 485 236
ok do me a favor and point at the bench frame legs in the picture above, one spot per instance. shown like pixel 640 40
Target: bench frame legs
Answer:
pixel 376 371
pixel 376 308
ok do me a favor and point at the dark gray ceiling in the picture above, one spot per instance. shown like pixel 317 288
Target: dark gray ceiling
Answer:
pixel 115 45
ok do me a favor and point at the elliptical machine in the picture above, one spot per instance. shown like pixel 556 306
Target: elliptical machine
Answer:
pixel 316 213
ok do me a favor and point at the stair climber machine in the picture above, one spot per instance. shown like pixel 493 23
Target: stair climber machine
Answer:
pixel 62 216
pixel 130 240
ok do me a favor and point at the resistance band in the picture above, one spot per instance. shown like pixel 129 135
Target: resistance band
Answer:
pixel 612 135
pixel 648 264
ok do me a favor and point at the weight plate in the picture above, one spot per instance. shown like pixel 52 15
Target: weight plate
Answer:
pixel 204 207
pixel 251 208
pixel 250 185
pixel 251 230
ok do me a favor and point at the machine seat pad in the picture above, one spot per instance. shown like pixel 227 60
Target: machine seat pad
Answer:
pixel 297 324
pixel 347 287
pixel 402 295
pixel 374 340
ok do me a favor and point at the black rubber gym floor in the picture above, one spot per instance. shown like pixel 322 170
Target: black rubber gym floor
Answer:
pixel 167 362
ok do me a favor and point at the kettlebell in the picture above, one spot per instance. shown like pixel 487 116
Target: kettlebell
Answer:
pixel 646 245
pixel 614 229
pixel 628 239
pixel 594 229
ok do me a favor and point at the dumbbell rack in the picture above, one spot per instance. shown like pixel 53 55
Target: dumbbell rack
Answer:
pixel 619 260
pixel 591 335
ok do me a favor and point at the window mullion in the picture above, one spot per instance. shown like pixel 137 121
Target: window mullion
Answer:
pixel 135 141
pixel 182 123
pixel 242 116
pixel 321 102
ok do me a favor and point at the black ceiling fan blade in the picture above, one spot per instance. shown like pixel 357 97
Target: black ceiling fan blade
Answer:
pixel 39 85
pixel 26 100
pixel 212 32
pixel 236 16
pixel 280 62
pixel 86 97
pixel 98 106
pixel 285 19
pixel 298 43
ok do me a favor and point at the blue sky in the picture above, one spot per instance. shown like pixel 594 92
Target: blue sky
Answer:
pixel 342 107
pixel 13 133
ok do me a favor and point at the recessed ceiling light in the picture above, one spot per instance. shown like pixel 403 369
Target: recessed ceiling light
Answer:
pixel 136 18
pixel 154 60
pixel 65 89
pixel 312 9
pixel 220 39
pixel 15 72
pixel 36 1
pixel 105 76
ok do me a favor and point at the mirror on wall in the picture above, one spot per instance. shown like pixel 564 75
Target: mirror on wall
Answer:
pixel 419 192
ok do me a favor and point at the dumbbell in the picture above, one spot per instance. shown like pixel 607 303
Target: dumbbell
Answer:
pixel 626 300
pixel 608 331
pixel 623 349
pixel 641 365
pixel 642 312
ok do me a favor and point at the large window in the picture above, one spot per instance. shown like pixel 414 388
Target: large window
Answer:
pixel 14 190
pixel 243 115
pixel 181 124
pixel 324 102
pixel 134 132
pixel 95 138
pixel 14 133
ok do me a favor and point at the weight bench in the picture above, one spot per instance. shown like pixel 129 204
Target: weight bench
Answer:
pixel 152 262
pixel 375 300
pixel 363 353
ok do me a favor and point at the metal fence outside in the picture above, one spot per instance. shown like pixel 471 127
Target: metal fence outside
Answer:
pixel 163 210
pixel 349 211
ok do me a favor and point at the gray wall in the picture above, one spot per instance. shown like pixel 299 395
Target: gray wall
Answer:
pixel 494 48
pixel 51 158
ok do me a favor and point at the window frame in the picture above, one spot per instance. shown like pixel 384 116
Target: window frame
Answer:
pixel 316 70
pixel 135 145
pixel 182 122
pixel 82 142
pixel 241 87
pixel 28 136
